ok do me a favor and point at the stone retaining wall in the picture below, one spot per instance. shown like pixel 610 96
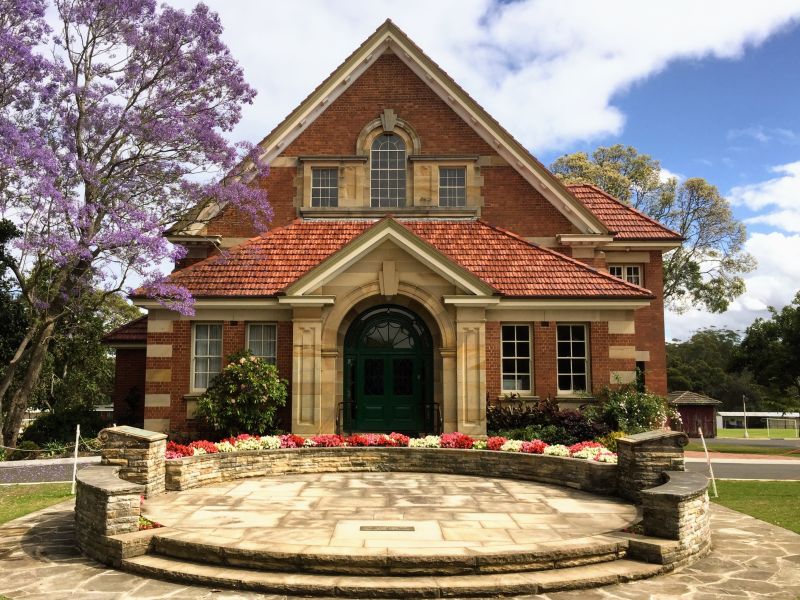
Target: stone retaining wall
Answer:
pixel 207 469
pixel 139 454
pixel 105 506
pixel 644 457
pixel 678 510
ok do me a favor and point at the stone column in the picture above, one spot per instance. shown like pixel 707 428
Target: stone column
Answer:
pixel 471 370
pixel 139 454
pixel 449 405
pixel 644 457
pixel 307 372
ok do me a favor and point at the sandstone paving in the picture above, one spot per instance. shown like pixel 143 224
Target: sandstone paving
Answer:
pixel 750 559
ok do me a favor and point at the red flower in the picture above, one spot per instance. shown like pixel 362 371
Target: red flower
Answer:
pixel 179 449
pixel 209 447
pixel 399 439
pixel 327 440
pixel 460 440
pixel 581 445
pixel 291 440
pixel 534 447
pixel 495 443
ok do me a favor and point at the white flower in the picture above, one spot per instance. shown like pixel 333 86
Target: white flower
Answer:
pixel 270 442
pixel 512 446
pixel 556 450
pixel 588 453
pixel 606 456
pixel 430 441
pixel 309 442
pixel 225 447
pixel 248 444
pixel 198 451
pixel 480 445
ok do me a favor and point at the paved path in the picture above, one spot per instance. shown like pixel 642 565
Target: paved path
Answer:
pixel 41 471
pixel 380 513
pixel 751 559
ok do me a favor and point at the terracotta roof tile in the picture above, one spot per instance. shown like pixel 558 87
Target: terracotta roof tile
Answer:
pixel 267 264
pixel 624 220
pixel 133 332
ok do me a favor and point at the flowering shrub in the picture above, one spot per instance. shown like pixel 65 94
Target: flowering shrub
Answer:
pixel 457 440
pixel 606 456
pixel 429 441
pixel 534 447
pixel 495 443
pixel 291 440
pixel 327 440
pixel 512 446
pixel 556 450
pixel 583 450
pixel 244 397
pixel 630 410
pixel 203 447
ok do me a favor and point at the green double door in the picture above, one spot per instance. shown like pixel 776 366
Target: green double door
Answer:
pixel 388 372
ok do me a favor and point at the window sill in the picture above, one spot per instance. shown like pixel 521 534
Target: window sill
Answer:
pixel 504 397
pixel 378 212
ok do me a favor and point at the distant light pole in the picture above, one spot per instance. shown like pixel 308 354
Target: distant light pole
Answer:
pixel 744 407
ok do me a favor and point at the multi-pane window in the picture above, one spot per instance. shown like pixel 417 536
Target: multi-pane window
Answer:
pixel 630 273
pixel 572 358
pixel 207 355
pixel 515 358
pixel 324 187
pixel 388 171
pixel 452 186
pixel 262 340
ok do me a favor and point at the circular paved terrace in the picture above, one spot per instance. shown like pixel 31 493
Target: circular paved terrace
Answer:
pixel 378 513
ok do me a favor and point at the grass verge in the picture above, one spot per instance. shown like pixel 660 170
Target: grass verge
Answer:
pixel 771 501
pixel 19 500
pixel 743 449
pixel 760 434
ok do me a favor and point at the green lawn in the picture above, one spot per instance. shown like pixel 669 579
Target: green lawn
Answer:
pixel 758 434
pixel 19 500
pixel 696 446
pixel 771 501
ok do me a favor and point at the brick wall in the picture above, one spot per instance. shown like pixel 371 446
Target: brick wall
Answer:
pixel 128 394
pixel 650 327
pixel 492 359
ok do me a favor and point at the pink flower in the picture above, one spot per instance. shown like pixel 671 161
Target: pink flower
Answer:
pixel 495 443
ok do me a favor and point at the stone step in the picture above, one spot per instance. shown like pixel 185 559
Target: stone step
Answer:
pixel 392 561
pixel 348 586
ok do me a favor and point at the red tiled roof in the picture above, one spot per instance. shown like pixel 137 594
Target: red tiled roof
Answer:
pixel 627 222
pixel 267 264
pixel 134 332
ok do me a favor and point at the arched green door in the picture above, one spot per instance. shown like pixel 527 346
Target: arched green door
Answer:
pixel 388 372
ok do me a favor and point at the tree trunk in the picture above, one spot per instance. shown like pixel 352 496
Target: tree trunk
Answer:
pixel 21 398
pixel 11 368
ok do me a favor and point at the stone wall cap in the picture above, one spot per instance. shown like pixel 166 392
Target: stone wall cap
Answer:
pixel 681 485
pixel 106 480
pixel 659 434
pixel 142 434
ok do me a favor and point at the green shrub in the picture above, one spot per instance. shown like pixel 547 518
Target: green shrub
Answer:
pixel 543 421
pixel 632 411
pixel 54 449
pixel 244 397
pixel 25 451
pixel 609 440
pixel 59 426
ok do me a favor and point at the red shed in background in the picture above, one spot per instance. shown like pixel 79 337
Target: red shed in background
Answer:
pixel 697 411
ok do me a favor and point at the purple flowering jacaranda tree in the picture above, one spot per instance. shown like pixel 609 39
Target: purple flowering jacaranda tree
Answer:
pixel 113 123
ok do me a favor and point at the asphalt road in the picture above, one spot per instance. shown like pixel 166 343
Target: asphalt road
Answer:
pixel 41 471
pixel 748 469
pixel 789 443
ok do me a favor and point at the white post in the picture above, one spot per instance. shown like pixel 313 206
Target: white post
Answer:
pixel 708 461
pixel 744 408
pixel 75 462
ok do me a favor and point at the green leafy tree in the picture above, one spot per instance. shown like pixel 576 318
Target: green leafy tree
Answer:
pixel 703 364
pixel 244 397
pixel 770 351
pixel 707 269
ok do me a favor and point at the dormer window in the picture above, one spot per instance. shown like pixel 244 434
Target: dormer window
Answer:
pixel 388 171
pixel 324 187
pixel 453 187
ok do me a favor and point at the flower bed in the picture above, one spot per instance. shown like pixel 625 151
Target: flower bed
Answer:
pixel 584 450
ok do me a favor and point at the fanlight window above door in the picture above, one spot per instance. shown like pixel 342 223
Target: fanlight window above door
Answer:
pixel 388 335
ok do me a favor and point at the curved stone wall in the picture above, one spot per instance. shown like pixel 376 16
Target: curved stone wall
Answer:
pixel 207 469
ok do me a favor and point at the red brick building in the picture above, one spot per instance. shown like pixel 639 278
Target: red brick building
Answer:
pixel 420 263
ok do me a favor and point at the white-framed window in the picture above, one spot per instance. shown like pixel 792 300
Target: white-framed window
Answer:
pixel 515 358
pixel 572 358
pixel 324 186
pixel 262 340
pixel 388 171
pixel 630 273
pixel 453 187
pixel 206 353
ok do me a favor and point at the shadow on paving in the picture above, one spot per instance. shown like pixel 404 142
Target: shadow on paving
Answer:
pixel 751 559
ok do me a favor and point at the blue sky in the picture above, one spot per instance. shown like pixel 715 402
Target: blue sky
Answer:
pixel 710 88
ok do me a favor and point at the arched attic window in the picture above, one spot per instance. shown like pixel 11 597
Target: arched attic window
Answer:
pixel 388 171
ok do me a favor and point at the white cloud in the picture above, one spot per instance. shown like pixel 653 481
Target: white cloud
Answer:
pixel 549 71
pixel 778 197
pixel 765 135
pixel 664 175
pixel 773 283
